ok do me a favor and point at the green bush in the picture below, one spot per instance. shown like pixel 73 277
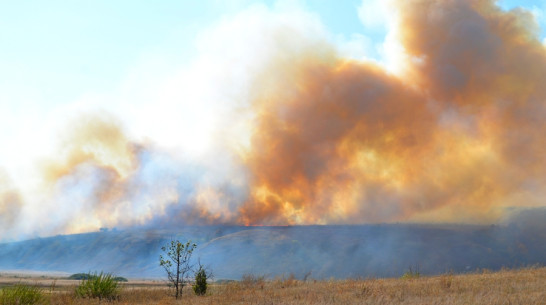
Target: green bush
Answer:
pixel 411 274
pixel 200 287
pixel 86 276
pixel 79 276
pixel 22 295
pixel 101 286
pixel 120 279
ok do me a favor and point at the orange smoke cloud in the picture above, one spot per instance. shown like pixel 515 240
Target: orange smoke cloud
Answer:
pixel 458 136
pixel 96 139
pixel 10 203
pixel 90 179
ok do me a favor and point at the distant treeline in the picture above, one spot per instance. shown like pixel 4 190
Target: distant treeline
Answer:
pixel 87 276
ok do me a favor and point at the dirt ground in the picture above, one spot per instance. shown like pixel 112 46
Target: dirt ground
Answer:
pixel 58 281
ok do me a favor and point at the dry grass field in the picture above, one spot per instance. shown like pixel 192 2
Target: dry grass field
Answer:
pixel 525 286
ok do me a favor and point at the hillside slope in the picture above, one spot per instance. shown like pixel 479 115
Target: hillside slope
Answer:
pixel 321 251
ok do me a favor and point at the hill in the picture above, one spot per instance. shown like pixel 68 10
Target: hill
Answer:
pixel 319 251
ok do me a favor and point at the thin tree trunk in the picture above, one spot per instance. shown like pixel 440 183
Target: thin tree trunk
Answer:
pixel 177 276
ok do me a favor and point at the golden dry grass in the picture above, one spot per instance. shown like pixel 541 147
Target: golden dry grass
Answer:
pixel 525 286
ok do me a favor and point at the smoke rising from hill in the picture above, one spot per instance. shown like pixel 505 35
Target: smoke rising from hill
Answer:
pixel 456 135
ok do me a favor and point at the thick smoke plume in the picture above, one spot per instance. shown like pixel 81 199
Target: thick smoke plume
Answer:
pixel 456 135
pixel 10 203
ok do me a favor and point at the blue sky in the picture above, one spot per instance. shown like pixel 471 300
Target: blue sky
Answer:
pixel 53 51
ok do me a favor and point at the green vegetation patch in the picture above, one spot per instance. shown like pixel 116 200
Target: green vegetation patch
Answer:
pixel 22 295
pixel 101 286
pixel 86 276
pixel 412 273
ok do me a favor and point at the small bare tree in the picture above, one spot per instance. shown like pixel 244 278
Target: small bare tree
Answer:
pixel 177 263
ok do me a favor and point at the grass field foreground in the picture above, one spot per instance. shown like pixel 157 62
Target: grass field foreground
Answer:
pixel 525 286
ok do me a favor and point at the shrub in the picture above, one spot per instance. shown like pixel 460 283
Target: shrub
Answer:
pixel 22 295
pixel 86 276
pixel 200 287
pixel 446 280
pixel 411 273
pixel 79 276
pixel 251 280
pixel 101 286
pixel 284 282
pixel 120 279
